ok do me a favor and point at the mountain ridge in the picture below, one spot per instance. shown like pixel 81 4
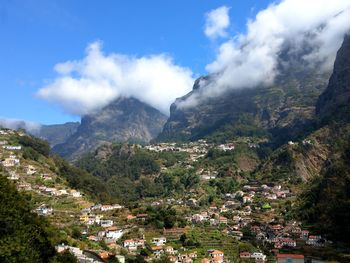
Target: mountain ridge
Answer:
pixel 124 120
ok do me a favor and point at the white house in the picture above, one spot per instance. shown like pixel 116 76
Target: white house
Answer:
pixel 134 244
pixel 258 256
pixel 114 233
pixel 44 210
pixel 10 147
pixel 159 241
pixel 10 162
pixel 75 194
pixel 106 223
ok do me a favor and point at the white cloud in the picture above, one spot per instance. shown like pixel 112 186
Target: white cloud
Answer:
pixel 31 127
pixel 89 84
pixel 217 21
pixel 251 59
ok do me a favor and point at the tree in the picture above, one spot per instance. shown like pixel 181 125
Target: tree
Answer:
pixel 23 235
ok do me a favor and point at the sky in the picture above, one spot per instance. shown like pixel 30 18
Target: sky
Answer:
pixel 36 35
pixel 61 59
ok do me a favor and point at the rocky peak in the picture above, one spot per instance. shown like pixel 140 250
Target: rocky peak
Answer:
pixel 334 102
pixel 124 120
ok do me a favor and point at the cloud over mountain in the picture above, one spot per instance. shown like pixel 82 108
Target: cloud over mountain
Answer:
pixel 251 59
pixel 31 127
pixel 86 85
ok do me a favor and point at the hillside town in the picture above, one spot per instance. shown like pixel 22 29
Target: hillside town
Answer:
pixel 251 222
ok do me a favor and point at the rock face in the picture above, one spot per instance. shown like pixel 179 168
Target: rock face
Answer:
pixel 57 133
pixel 334 103
pixel 287 104
pixel 124 120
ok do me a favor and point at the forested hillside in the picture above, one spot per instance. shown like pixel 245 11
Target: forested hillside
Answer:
pixel 24 236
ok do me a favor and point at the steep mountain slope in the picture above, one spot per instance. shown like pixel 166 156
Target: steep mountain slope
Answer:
pixel 325 202
pixel 124 120
pixel 280 109
pixel 24 236
pixel 301 161
pixel 57 133
pixel 334 103
pixel 305 159
pixel 31 179
pixel 31 163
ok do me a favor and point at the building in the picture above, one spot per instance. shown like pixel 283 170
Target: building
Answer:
pixel 159 241
pixel 244 255
pixel 10 147
pixel 258 257
pixel 216 256
pixel 134 244
pixel 8 162
pixel 106 223
pixel 157 251
pixel 75 193
pixel 43 210
pixel 114 233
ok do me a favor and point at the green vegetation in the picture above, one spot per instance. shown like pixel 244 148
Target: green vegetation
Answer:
pixel 24 236
pixel 40 146
pixel 325 201
pixel 131 173
pixel 245 126
pixel 124 161
pixel 164 217
pixel 80 179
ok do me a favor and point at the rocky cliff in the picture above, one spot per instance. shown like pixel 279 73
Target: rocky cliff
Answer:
pixel 334 103
pixel 57 133
pixel 124 120
pixel 277 109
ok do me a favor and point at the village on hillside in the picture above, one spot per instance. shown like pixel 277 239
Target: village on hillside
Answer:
pixel 251 224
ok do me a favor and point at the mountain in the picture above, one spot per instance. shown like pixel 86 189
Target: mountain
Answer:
pixel 334 103
pixel 28 178
pixel 280 109
pixel 325 202
pixel 124 120
pixel 57 133
pixel 303 161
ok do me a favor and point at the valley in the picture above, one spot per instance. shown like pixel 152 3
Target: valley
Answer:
pixel 180 202
pixel 135 158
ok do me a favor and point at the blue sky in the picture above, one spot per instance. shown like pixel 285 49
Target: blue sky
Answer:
pixel 38 34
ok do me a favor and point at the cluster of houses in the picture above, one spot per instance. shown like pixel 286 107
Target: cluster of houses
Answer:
pixel 57 192
pixel 6 131
pixel 195 150
pixel 180 258
pixel 11 161
pixel 109 234
pixel 269 192
pixel 12 147
pixel 235 212
pixel 286 236
pixel 198 147
pixel 207 174
pixel 102 208
pixel 84 256
pixel 226 147
pixel 215 256
pixel 134 244
pixel 89 217
pixel 257 257
pixel 159 248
